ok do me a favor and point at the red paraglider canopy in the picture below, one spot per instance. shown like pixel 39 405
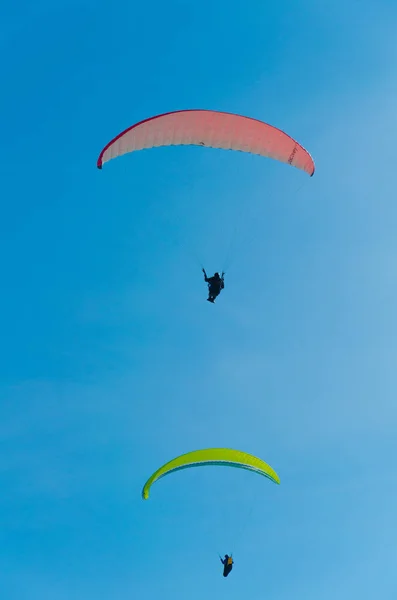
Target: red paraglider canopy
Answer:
pixel 211 129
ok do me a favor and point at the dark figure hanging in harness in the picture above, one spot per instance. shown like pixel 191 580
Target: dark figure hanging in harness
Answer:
pixel 227 564
pixel 215 285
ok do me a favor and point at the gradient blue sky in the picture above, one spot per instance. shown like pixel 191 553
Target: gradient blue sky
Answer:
pixel 111 360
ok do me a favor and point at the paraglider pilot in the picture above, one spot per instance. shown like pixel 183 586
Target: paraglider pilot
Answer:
pixel 215 285
pixel 227 564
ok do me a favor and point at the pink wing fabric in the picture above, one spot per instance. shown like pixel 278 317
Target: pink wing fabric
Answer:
pixel 211 129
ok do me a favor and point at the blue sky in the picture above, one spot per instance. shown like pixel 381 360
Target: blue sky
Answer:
pixel 111 360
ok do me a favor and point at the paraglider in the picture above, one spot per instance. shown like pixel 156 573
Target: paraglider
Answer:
pixel 212 456
pixel 227 564
pixel 211 129
pixel 216 284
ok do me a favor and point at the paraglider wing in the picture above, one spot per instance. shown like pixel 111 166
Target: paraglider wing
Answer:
pixel 212 456
pixel 212 129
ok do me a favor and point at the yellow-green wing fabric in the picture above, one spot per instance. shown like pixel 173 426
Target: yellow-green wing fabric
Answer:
pixel 212 456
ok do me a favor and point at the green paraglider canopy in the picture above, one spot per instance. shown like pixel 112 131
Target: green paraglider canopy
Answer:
pixel 224 457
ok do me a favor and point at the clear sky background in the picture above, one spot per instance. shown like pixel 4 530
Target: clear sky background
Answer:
pixel 111 360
